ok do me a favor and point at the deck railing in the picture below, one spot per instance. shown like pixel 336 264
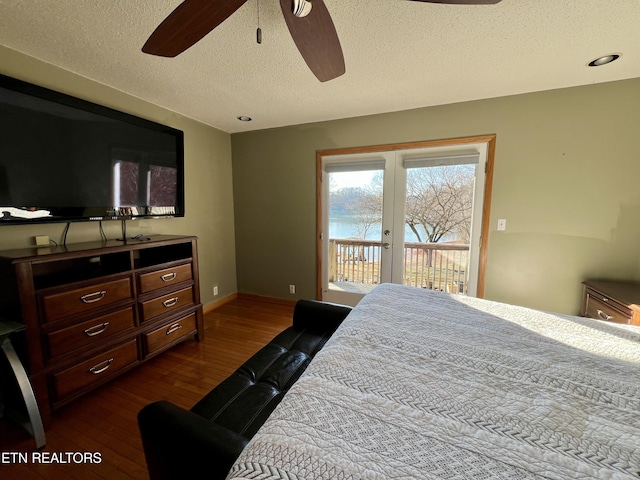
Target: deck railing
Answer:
pixel 436 266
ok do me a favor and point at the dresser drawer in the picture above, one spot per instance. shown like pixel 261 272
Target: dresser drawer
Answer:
pixel 167 303
pixel 158 339
pixel 599 308
pixel 60 305
pixel 95 370
pixel 89 333
pixel 148 282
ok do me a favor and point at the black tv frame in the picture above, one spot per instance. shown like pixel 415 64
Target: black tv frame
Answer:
pixel 122 214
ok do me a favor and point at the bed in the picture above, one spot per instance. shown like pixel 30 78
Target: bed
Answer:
pixel 417 384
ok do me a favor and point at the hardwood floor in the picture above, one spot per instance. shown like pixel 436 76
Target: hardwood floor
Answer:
pixel 103 423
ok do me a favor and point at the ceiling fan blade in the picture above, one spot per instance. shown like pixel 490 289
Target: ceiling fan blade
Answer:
pixel 187 24
pixel 317 40
pixel 461 2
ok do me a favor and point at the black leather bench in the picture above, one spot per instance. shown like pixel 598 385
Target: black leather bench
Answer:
pixel 209 437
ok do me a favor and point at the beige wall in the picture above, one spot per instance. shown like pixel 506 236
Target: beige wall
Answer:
pixel 566 179
pixel 208 189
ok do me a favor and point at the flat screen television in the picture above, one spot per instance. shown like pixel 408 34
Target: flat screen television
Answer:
pixel 63 159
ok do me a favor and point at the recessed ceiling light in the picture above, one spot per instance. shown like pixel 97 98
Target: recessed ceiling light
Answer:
pixel 244 118
pixel 604 60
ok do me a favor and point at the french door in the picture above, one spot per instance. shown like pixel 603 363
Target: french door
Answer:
pixel 409 214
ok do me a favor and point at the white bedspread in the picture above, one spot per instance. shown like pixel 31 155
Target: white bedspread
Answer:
pixel 418 384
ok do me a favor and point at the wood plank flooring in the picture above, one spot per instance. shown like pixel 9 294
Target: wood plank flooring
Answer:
pixel 104 422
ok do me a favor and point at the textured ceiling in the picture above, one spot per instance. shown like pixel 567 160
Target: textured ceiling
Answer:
pixel 399 54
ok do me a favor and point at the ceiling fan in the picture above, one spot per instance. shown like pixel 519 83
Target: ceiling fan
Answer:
pixel 309 23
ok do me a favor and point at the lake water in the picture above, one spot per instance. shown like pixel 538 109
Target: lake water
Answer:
pixel 345 226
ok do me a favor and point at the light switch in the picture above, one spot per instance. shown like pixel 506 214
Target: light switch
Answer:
pixel 502 224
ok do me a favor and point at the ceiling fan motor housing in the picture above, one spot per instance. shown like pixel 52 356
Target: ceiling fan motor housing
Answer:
pixel 301 8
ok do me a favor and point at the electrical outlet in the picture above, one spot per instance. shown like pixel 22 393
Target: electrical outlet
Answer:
pixel 41 240
pixel 292 289
pixel 215 290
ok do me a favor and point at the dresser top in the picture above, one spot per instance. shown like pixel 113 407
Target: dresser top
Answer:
pixel 623 291
pixel 80 249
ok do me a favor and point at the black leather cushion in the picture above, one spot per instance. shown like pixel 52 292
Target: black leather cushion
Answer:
pixel 244 400
pixel 208 438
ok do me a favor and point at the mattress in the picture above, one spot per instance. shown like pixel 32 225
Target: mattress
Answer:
pixel 417 384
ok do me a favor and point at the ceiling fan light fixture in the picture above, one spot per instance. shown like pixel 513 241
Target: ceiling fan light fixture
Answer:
pixel 604 60
pixel 301 8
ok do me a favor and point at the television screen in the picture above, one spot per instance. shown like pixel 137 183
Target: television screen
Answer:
pixel 64 159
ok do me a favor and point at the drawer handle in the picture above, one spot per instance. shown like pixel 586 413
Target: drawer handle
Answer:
pixel 167 277
pixel 604 316
pixel 171 302
pixel 93 297
pixel 173 328
pixel 96 330
pixel 101 367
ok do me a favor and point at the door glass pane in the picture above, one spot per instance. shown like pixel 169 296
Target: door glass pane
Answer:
pixel 355 230
pixel 438 217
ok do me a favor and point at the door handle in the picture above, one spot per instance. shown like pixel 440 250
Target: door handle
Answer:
pixel 386 246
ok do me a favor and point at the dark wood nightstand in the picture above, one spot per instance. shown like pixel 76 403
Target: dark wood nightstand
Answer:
pixel 612 301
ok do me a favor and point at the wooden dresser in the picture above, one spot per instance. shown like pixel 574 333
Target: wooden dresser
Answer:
pixel 95 310
pixel 612 301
